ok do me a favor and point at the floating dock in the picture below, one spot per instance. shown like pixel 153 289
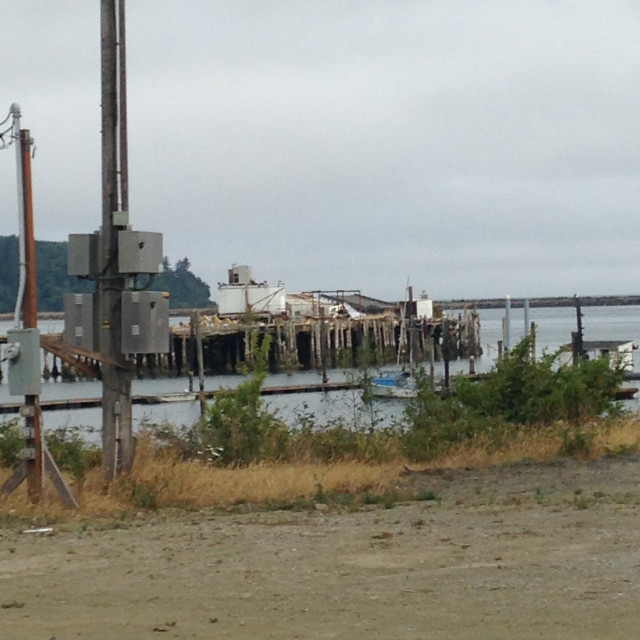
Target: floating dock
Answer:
pixel 166 398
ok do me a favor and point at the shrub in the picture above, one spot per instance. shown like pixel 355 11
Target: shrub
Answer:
pixel 71 452
pixel 338 442
pixel 518 391
pixel 525 392
pixel 436 423
pixel 10 443
pixel 237 425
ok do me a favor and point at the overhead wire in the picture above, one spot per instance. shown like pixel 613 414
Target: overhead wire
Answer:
pixel 14 111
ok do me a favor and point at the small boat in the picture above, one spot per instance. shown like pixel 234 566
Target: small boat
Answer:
pixel 394 384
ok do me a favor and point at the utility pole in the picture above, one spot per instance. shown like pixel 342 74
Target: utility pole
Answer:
pixel 23 352
pixel 126 319
pixel 35 477
pixel 117 437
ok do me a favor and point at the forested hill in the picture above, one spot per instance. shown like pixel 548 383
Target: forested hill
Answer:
pixel 185 289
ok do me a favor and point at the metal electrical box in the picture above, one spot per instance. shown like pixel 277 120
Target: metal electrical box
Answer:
pixel 145 322
pixel 139 252
pixel 23 353
pixel 80 316
pixel 83 254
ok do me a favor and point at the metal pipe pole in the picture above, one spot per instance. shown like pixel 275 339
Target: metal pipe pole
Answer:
pixel 507 323
pixel 22 261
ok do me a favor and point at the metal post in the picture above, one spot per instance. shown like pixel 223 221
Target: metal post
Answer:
pixel 22 260
pixel 526 316
pixel 117 437
pixel 507 323
pixel 533 341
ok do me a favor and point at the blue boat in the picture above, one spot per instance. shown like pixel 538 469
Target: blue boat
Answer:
pixel 394 384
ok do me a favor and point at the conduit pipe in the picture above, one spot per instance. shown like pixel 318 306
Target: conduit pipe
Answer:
pixel 22 254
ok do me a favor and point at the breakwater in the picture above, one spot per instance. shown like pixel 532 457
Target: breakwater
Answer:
pixel 547 302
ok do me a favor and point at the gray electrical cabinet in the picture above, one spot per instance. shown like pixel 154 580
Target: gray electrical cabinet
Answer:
pixel 23 353
pixel 79 320
pixel 145 322
pixel 84 255
pixel 139 252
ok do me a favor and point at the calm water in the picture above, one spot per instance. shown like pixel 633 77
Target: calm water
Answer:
pixel 554 327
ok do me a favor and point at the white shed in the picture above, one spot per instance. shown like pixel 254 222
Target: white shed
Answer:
pixel 617 349
pixel 235 299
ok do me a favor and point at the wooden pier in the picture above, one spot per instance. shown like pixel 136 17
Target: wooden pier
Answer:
pixel 314 343
pixel 170 398
pixel 212 345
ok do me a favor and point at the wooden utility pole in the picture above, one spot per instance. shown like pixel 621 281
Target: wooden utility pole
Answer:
pixel 38 459
pixel 117 436
pixel 35 467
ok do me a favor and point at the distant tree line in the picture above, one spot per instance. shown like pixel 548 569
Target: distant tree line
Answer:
pixel 185 289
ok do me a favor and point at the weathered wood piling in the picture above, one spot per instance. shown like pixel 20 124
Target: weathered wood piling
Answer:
pixel 212 345
pixel 315 343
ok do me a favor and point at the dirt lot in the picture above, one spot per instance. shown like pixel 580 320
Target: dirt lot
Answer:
pixel 526 551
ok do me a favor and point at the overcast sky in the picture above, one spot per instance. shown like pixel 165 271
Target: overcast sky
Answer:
pixel 474 148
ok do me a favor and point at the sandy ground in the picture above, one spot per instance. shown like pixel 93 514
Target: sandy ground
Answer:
pixel 527 551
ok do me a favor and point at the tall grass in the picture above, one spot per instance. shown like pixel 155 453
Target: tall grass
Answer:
pixel 241 453
pixel 161 479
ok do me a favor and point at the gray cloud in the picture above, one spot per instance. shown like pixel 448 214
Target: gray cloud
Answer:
pixel 476 148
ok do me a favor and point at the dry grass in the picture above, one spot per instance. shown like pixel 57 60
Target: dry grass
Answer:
pixel 160 479
pixel 541 444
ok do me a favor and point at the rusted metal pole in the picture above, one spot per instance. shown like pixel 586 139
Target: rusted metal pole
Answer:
pixel 35 466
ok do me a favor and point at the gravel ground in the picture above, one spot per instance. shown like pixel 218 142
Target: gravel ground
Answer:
pixel 522 551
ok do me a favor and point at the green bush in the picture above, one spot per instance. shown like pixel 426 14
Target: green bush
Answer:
pixel 436 423
pixel 71 452
pixel 10 443
pixel 576 443
pixel 336 441
pixel 517 392
pixel 525 392
pixel 237 426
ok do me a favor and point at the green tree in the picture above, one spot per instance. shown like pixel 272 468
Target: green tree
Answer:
pixel 185 289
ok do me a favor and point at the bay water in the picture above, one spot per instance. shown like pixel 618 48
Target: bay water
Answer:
pixel 553 329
